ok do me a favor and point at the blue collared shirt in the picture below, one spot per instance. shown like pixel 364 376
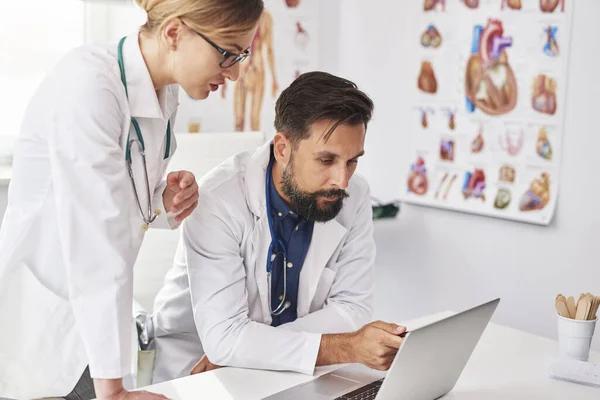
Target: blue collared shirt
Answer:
pixel 296 235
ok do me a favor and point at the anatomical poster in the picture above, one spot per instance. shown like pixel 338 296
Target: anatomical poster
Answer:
pixel 486 128
pixel 285 46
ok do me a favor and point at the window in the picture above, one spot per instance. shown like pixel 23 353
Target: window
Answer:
pixel 35 35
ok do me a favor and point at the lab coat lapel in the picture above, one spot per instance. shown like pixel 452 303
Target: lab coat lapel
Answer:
pixel 326 238
pixel 152 111
pixel 261 236
pixel 256 180
pixel 143 101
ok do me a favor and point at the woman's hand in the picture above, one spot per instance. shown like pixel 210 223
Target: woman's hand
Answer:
pixel 112 389
pixel 181 194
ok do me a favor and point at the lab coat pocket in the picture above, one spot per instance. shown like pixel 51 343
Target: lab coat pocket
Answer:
pixel 323 289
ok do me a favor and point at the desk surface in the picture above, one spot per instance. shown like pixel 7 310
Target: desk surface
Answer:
pixel 506 364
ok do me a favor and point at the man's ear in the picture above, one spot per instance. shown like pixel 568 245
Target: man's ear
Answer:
pixel 282 148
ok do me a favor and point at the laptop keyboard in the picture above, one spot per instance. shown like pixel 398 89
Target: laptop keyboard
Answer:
pixel 367 392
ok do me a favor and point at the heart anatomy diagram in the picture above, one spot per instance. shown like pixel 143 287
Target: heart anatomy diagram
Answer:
pixel 488 104
pixel 490 82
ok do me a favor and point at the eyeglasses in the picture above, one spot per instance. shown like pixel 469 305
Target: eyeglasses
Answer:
pixel 229 59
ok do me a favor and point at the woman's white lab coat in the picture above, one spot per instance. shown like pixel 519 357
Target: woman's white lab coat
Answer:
pixel 72 229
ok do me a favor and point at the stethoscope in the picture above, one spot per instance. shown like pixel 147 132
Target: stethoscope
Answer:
pixel 151 215
pixel 283 304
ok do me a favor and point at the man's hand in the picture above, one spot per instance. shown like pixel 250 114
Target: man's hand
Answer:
pixel 374 345
pixel 112 389
pixel 181 194
pixel 203 366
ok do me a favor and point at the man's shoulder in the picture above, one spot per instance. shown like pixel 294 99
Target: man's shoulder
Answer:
pixel 359 194
pixel 359 186
pixel 226 180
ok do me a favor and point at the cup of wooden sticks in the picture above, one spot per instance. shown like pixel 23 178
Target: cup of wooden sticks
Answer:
pixel 576 324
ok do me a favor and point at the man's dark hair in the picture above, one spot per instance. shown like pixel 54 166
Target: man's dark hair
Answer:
pixel 317 96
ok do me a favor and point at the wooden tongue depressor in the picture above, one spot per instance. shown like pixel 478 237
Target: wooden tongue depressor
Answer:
pixel 583 308
pixel 580 297
pixel 571 306
pixel 562 309
pixel 592 307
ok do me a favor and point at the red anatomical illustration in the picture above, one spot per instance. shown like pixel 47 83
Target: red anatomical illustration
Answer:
pixel 431 37
pixel 538 194
pixel 429 5
pixel 474 185
pixel 490 81
pixel 427 81
pixel 543 98
pixel 471 3
pixel 513 4
pixel 417 178
pixel 549 6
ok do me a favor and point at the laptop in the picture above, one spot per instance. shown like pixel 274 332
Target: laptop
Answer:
pixel 426 367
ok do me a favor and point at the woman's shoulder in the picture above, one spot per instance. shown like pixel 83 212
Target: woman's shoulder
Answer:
pixel 90 66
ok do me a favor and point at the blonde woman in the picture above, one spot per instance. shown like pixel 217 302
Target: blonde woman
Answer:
pixel 88 181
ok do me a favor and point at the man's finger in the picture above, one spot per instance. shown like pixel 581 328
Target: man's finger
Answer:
pixel 390 340
pixel 394 329
pixel 200 366
pixel 212 367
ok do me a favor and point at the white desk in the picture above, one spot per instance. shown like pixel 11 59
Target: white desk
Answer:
pixel 506 364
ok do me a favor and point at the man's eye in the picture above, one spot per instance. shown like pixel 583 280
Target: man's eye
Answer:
pixel 326 161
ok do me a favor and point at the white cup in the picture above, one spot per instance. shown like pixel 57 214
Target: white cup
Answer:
pixel 575 338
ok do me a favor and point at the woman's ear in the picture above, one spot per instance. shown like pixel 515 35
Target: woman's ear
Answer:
pixel 172 32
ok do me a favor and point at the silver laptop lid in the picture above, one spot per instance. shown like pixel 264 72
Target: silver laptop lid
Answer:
pixel 432 357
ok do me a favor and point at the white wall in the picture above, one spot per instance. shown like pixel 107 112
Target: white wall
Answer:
pixel 430 260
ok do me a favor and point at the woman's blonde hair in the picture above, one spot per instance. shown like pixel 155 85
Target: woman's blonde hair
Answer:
pixel 217 18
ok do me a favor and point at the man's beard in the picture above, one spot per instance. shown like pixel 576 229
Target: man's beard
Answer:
pixel 305 204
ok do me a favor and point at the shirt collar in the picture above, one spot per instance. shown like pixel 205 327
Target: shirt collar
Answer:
pixel 143 99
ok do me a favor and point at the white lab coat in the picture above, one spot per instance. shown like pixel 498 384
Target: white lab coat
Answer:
pixel 215 296
pixel 72 229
